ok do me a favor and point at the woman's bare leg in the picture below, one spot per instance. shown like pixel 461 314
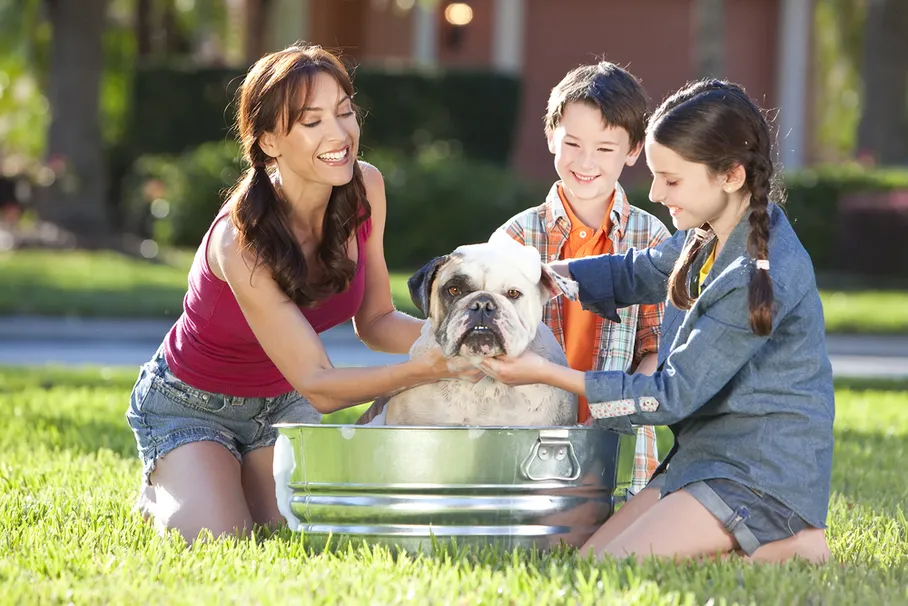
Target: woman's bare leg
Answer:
pixel 145 502
pixel 258 486
pixel 198 486
pixel 677 525
pixel 624 517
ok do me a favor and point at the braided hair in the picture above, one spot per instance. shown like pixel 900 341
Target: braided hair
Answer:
pixel 714 122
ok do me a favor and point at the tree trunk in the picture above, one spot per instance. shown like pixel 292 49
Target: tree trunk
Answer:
pixel 709 36
pixel 75 200
pixel 884 110
pixel 256 34
pixel 143 26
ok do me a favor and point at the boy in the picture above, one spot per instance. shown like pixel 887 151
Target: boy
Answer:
pixel 595 125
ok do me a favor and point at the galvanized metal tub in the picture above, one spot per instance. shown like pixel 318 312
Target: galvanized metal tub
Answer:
pixel 415 487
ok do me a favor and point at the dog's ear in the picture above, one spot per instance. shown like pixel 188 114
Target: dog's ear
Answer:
pixel 420 284
pixel 554 284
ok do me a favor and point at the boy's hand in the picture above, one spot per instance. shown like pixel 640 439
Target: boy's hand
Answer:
pixel 523 370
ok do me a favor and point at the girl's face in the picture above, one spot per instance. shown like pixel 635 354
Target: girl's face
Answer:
pixel 690 191
pixel 322 146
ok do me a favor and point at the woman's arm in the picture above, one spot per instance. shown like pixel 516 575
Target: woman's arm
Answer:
pixel 296 349
pixel 608 282
pixel 377 323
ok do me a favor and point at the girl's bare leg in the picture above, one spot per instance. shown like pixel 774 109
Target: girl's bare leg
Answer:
pixel 624 517
pixel 809 544
pixel 677 525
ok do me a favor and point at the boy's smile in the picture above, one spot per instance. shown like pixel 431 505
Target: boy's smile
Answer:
pixel 589 154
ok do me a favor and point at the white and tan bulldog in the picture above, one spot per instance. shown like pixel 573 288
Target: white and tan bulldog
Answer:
pixel 484 300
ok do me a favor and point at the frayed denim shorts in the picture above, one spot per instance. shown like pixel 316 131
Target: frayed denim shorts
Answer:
pixel 753 517
pixel 166 413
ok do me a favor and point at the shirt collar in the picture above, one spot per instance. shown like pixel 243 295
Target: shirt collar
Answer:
pixel 557 216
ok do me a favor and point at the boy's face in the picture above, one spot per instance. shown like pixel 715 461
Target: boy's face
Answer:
pixel 589 156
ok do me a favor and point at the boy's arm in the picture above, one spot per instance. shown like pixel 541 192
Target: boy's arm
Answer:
pixel 639 276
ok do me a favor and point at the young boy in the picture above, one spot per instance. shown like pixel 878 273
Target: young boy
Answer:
pixel 595 125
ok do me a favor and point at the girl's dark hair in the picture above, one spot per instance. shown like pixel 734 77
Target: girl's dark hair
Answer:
pixel 714 122
pixel 274 93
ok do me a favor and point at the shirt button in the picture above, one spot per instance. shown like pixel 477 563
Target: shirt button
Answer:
pixel 582 234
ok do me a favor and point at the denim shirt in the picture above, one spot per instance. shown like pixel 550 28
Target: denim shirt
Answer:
pixel 755 409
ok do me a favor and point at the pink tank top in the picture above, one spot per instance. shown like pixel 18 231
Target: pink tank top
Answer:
pixel 211 346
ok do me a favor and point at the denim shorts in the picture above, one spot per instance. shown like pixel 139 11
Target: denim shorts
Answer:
pixel 166 413
pixel 753 517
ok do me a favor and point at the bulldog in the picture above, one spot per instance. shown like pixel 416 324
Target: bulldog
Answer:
pixel 483 300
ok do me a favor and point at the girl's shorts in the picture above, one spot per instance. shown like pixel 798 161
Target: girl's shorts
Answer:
pixel 166 413
pixel 753 517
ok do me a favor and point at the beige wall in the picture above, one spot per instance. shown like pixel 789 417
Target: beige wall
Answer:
pixel 652 38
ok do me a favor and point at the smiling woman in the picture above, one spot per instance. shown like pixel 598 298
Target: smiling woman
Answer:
pixel 295 250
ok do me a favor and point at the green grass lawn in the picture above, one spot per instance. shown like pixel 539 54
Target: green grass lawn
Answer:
pixel 68 474
pixel 108 284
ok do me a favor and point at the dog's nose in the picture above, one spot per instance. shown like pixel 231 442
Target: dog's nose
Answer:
pixel 484 304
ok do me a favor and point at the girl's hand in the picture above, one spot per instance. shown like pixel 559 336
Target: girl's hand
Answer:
pixel 523 370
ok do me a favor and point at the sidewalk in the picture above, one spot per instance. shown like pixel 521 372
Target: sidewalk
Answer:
pixel 42 340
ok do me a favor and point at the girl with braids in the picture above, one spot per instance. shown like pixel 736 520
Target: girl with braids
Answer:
pixel 295 250
pixel 743 376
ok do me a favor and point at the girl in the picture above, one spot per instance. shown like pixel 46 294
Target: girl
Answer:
pixel 296 250
pixel 743 378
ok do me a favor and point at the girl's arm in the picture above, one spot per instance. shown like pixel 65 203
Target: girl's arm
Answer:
pixel 295 347
pixel 377 323
pixel 608 282
pixel 719 345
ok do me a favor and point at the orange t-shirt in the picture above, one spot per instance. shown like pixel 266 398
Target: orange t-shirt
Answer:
pixel 579 324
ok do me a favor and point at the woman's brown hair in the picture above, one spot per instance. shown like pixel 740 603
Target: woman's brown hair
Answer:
pixel 714 122
pixel 274 93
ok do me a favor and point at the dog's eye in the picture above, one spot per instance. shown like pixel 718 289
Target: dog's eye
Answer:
pixel 514 293
pixel 454 291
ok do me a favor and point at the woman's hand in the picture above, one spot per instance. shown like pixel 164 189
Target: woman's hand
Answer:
pixel 441 367
pixel 525 369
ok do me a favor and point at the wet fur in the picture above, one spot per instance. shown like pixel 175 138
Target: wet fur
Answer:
pixel 478 270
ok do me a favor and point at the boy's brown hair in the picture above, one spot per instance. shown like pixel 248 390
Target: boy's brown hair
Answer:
pixel 617 94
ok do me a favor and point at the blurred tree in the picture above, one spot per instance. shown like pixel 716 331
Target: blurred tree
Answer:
pixel 883 127
pixel 709 17
pixel 75 198
pixel 256 19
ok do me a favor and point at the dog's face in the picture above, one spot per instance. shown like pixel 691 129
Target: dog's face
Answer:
pixel 486 299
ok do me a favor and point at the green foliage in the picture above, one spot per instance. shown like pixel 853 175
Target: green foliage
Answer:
pixel 813 196
pixel 812 206
pixel 438 200
pixel 181 194
pixel 176 107
pixel 838 39
pixel 474 110
pixel 69 474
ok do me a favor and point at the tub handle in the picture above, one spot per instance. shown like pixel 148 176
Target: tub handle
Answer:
pixel 548 448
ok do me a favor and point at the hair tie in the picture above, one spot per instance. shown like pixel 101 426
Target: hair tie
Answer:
pixel 763 264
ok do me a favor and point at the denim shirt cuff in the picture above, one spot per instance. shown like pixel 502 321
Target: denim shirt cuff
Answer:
pixel 594 277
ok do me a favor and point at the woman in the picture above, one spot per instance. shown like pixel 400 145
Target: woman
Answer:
pixel 295 250
pixel 743 380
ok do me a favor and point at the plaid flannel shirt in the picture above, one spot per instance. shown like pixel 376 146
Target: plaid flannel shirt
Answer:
pixel 617 346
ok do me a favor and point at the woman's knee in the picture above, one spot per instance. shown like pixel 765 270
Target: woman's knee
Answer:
pixel 197 487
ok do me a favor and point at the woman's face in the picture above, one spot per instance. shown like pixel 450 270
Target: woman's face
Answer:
pixel 322 146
